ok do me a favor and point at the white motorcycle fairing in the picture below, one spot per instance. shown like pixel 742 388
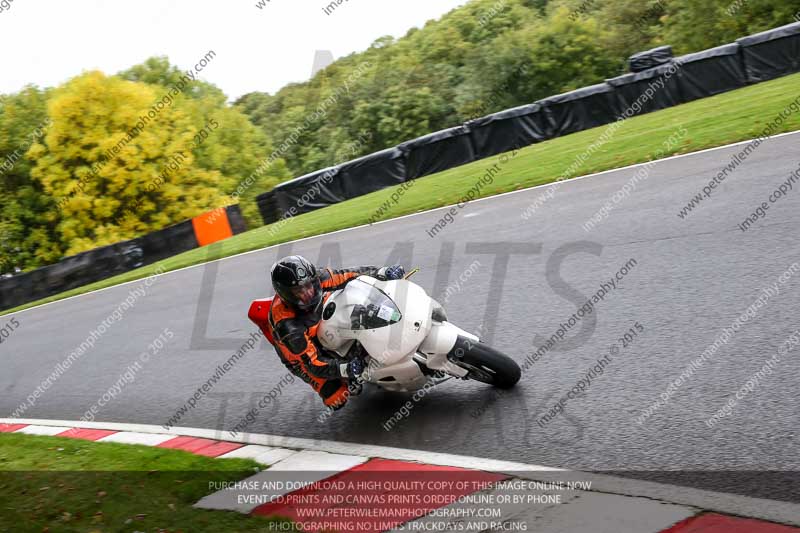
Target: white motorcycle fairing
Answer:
pixel 398 325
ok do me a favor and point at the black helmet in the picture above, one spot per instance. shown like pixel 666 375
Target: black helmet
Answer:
pixel 296 281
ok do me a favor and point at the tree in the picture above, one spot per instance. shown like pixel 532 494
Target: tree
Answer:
pixel 115 174
pixel 159 71
pixel 226 141
pixel 27 215
pixel 722 21
pixel 240 152
pixel 545 58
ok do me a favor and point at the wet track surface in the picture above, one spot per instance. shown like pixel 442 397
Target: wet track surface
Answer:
pixel 691 279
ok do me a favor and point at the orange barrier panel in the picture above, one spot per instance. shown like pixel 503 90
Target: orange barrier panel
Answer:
pixel 212 227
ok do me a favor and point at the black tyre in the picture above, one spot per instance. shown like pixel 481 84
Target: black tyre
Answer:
pixel 485 364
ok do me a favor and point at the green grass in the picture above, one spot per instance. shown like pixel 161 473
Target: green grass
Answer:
pixel 65 485
pixel 735 116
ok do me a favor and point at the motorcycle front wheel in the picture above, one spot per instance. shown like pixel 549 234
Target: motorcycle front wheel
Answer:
pixel 484 363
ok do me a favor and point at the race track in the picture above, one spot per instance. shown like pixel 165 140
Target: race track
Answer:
pixel 692 277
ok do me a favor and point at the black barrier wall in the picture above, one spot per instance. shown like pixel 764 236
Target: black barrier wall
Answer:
pixel 235 219
pixel 583 109
pixel 657 81
pixel 438 151
pixel 302 195
pixel 711 72
pixel 771 53
pixel 95 265
pixel 105 262
pixel 649 90
pixel 520 126
pixel 268 207
pixel 372 172
pixel 332 185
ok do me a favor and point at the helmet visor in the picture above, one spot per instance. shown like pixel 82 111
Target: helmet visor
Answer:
pixel 306 294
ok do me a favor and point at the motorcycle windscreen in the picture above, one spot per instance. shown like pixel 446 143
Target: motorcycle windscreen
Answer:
pixel 361 306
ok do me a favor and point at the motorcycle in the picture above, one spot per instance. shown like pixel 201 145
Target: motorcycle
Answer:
pixel 404 337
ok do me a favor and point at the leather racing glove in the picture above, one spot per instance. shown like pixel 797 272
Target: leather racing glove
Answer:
pixel 391 273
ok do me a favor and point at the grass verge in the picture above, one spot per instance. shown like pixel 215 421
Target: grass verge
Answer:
pixel 723 119
pixel 60 484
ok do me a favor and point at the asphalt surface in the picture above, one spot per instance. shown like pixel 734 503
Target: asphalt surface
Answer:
pixel 692 278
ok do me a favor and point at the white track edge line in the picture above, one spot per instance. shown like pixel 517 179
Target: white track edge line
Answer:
pixel 527 189
pixel 732 504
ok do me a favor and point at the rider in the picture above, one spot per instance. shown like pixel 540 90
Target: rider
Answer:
pixel 295 315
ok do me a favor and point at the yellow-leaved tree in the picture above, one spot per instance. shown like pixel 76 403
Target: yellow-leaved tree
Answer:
pixel 227 140
pixel 118 160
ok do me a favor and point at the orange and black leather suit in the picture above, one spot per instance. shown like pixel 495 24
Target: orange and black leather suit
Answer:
pixel 295 335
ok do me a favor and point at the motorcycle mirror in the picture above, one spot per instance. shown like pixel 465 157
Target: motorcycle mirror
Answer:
pixel 411 273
